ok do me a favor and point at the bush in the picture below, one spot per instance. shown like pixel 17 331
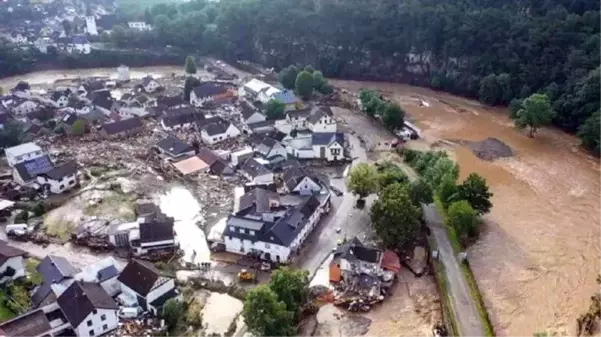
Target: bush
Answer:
pixel 409 155
pixel 22 217
pixel 38 209
pixel 463 218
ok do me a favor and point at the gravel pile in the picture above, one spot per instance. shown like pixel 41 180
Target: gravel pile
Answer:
pixel 489 149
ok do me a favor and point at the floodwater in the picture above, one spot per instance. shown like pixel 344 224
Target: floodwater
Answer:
pixel 538 256
pixel 219 312
pixel 180 204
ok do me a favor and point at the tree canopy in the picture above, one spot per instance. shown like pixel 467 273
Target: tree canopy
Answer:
pixel 475 191
pixel 265 315
pixel 462 217
pixel 361 180
pixel 287 76
pixel 590 132
pixel 274 110
pixel 304 84
pixel 190 66
pixel 291 287
pixel 536 111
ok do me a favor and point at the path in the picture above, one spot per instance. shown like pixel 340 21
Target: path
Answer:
pixel 462 302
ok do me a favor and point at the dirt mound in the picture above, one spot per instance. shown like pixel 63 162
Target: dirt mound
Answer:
pixel 489 149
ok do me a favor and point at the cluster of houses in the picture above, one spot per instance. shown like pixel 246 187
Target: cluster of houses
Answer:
pixel 87 302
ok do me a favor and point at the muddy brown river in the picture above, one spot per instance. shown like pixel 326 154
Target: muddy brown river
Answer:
pixel 538 256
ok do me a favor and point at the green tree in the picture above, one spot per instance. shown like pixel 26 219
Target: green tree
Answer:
pixel 190 66
pixel 189 84
pixel 12 134
pixel 475 191
pixel 590 132
pixel 447 191
pixel 291 287
pixel 172 312
pixel 361 180
pixel 535 112
pixel 514 106
pixel 309 69
pixel 274 110
pixel 395 217
pixel 489 90
pixel 288 76
pixel 374 105
pixel 420 192
pixel 389 174
pixel 318 81
pixel 265 315
pixel 393 116
pixel 439 168
pixel 78 128
pixel 462 217
pixel 304 84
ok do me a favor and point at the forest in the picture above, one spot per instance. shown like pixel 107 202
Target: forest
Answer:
pixel 496 51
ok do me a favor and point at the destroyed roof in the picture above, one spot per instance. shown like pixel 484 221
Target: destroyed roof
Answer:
pixel 146 80
pixel 173 145
pixel 216 127
pixel 6 252
pixel 355 250
pixel 207 156
pixel 262 124
pixel 33 323
pixel 146 208
pixel 286 97
pixel 247 110
pixel 208 89
pixel 141 277
pixel 156 231
pixel 258 198
pixel 77 104
pixel 180 116
pixel 93 85
pixel 81 299
pixel 318 113
pixel 302 113
pixel 170 101
pixel 122 126
pixel 30 169
pixel 190 165
pixel 328 138
pixel 63 170
pixel 126 96
pixel 22 149
pixel 254 168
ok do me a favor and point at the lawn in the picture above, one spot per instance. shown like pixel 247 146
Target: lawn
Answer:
pixel 32 274
pixel 5 313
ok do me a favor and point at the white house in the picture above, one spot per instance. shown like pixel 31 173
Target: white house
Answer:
pixel 149 84
pixel 271 150
pixel 139 25
pixel 143 285
pixel 18 38
pixel 250 115
pixel 60 98
pixel 26 173
pixel 172 147
pixel 183 117
pixel 207 92
pixel 298 180
pixel 123 73
pixel 11 262
pixel 256 173
pixel 298 118
pixel 61 178
pixel 152 235
pixel 321 120
pixel 300 147
pixel 20 153
pixel 89 309
pixel 258 90
pixel 329 146
pixel 103 272
pixel 272 234
pixel 216 130
pixel 91 25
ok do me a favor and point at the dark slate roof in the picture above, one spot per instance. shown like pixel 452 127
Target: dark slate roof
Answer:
pixel 42 115
pixel 6 252
pixel 103 102
pixel 263 124
pixel 81 298
pixel 221 167
pixel 247 110
pixel 5 116
pixel 30 169
pixel 107 272
pixel 173 145
pixel 287 228
pixel 63 170
pixel 122 126
pixel 77 104
pixel 180 116
pixel 146 80
pixel 33 323
pixel 126 96
pixel 216 127
pixel 355 250
pixel 53 269
pixel 294 175
pixel 140 276
pixel 259 199
pixel 208 156
pixel 57 95
pixel 302 113
pixel 318 113
pixel 170 101
pixel 94 85
pixel 265 145
pixel 327 138
pixel 145 207
pixel 156 231
pixel 208 89
pixel 254 168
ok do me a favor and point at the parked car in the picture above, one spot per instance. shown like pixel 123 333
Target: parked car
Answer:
pixel 336 191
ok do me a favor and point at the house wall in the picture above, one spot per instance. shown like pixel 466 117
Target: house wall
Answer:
pixel 25 107
pixel 199 101
pixel 152 86
pixel 333 148
pixel 16 263
pixel 13 160
pixel 302 236
pixel 325 124
pixel 235 245
pixel 307 187
pixel 111 286
pixel 301 154
pixel 159 291
pixel 83 330
pixel 62 102
pixel 299 123
pixel 255 118
pixel 149 245
pixel 59 186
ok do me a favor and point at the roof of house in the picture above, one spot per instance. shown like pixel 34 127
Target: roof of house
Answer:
pixel 190 165
pixel 127 96
pixel 207 156
pixel 100 271
pixel 254 168
pixel 53 269
pixel 22 149
pixel 173 145
pixel 207 89
pixel 286 97
pixel 156 231
pixel 328 138
pixel 170 101
pixel 30 169
pixel 81 298
pixel 221 167
pixel 256 85
pixel 247 110
pixel 62 170
pixel 268 124
pixel 94 115
pixel 103 101
pixel 180 116
pixel 106 22
pixel 258 198
pixel 216 127
pixel 146 80
pixel 6 252
pixel 77 104
pixel 159 301
pixel 122 126
pixel 5 116
pixel 294 175
pixel 93 85
pixel 287 228
pixel 318 113
pixel 141 276
pixel 355 250
pixel 57 95
pixel 33 323
pixel 301 113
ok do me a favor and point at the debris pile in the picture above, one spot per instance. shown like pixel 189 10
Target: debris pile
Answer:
pixel 142 326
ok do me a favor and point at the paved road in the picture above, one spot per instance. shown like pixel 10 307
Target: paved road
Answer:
pixel 462 302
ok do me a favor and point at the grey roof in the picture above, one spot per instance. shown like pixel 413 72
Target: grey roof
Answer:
pixel 30 169
pixel 22 149
pixel 318 113
pixel 53 269
pixel 266 144
pixel 207 155
pixel 122 126
pixel 294 175
pixel 180 116
pixel 247 110
pixel 57 95
pixel 93 85
pixel 159 301
pixel 33 323
pixel 63 170
pixel 80 39
pixel 216 128
pixel 263 124
pixel 242 222
pixel 208 89
pixel 173 145
pixel 288 227
pixel 170 101
pixel 258 198
pixel 140 276
pixel 146 80
pixel 355 250
pixel 81 298
pixel 328 138
pixel 107 272
pixel 156 231
pixel 254 168
pixel 221 167
pixel 302 113
pixel 6 252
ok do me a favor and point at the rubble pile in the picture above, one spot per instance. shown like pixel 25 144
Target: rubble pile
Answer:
pixel 143 326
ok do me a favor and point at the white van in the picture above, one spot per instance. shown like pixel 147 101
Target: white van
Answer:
pixel 16 228
pixel 129 312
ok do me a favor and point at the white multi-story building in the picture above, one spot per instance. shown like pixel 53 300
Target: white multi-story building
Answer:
pixel 321 120
pixel 61 178
pixel 91 25
pixel 20 153
pixel 216 130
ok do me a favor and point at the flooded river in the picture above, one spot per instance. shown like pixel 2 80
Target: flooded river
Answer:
pixel 538 257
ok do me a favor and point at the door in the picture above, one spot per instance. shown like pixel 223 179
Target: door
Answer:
pixel 322 152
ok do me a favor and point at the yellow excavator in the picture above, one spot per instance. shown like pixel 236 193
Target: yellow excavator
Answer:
pixel 247 276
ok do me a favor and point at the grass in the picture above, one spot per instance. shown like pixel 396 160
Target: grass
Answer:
pixel 5 313
pixel 116 205
pixel 59 229
pixel 34 276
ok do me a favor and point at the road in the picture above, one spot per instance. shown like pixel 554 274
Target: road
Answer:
pixel 462 303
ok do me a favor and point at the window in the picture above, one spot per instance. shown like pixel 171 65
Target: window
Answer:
pixel 252 232
pixel 62 186
pixel 103 318
pixel 105 327
pixel 232 228
pixel 72 182
pixel 335 151
pixel 89 322
pixel 94 311
pixel 91 332
pixel 267 245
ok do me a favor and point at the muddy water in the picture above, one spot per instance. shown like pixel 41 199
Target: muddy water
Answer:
pixel 538 257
